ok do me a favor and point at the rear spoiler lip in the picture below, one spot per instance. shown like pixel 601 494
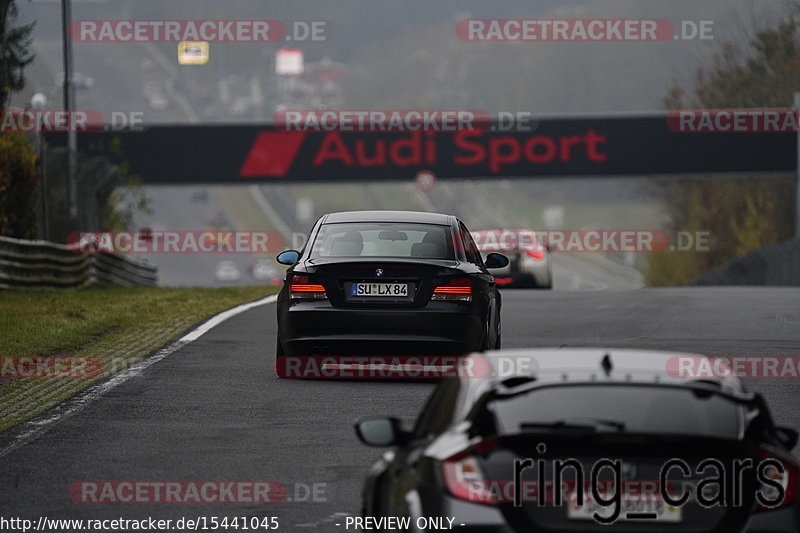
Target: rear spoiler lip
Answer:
pixel 742 397
pixel 750 400
pixel 616 436
pixel 323 261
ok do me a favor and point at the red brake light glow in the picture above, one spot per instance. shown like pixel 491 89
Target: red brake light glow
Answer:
pixel 300 288
pixel 464 479
pixel 457 290
pixel 789 479
pixel 537 254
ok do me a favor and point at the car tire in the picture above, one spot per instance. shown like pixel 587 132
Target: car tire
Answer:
pixel 485 342
pixel 280 371
pixel 497 342
pixel 548 282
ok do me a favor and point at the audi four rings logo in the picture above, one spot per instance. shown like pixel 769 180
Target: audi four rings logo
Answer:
pixel 379 272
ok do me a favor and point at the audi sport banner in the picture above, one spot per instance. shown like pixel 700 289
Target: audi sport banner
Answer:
pixel 289 150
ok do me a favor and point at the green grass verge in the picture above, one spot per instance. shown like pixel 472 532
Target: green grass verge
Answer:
pixel 118 326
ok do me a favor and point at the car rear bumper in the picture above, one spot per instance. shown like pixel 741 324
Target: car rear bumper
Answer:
pixel 486 519
pixel 474 517
pixel 440 328
pixel 777 521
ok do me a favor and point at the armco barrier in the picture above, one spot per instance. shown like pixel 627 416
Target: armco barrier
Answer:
pixel 775 265
pixel 44 264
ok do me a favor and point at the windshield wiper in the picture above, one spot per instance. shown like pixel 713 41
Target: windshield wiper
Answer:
pixel 575 424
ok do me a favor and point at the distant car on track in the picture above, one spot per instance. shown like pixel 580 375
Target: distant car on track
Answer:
pixel 585 406
pixel 529 260
pixel 263 270
pixel 79 81
pixel 155 94
pixel 227 271
pixel 388 282
pixel 200 196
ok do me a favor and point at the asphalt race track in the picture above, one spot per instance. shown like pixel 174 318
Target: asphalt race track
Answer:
pixel 213 410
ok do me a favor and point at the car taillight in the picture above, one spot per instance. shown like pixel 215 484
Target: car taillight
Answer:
pixel 301 289
pixel 457 290
pixel 789 479
pixel 537 254
pixel 464 480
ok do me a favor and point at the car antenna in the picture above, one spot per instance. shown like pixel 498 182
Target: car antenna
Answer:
pixel 606 364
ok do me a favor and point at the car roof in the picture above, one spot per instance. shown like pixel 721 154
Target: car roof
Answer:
pixel 387 216
pixel 586 365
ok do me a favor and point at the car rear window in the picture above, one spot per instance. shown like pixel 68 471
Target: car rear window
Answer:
pixel 651 410
pixel 407 240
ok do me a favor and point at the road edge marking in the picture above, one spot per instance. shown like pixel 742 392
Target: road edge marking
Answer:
pixel 218 319
pixel 39 425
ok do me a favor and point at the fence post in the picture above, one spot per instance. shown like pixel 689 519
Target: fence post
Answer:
pixel 797 174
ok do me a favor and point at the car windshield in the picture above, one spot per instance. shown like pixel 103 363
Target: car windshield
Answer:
pixel 653 410
pixel 428 241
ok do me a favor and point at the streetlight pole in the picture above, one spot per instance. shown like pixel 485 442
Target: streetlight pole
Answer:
pixel 797 175
pixel 69 106
pixel 39 103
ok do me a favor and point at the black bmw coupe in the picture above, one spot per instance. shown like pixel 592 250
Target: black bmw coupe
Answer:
pixel 388 282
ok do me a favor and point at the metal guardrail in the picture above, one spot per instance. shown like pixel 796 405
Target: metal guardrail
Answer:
pixel 42 264
pixel 775 265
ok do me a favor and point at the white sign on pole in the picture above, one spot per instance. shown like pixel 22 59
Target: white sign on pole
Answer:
pixel 193 52
pixel 289 62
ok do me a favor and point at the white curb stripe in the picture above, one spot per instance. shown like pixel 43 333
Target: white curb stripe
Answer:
pixel 38 426
pixel 216 320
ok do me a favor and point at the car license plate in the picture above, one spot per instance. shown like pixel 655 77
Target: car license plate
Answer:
pixel 632 509
pixel 366 290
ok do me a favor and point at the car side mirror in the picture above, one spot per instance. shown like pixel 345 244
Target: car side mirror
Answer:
pixel 787 436
pixel 288 257
pixel 495 260
pixel 380 431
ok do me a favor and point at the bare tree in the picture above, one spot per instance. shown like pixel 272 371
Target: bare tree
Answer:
pixel 15 52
